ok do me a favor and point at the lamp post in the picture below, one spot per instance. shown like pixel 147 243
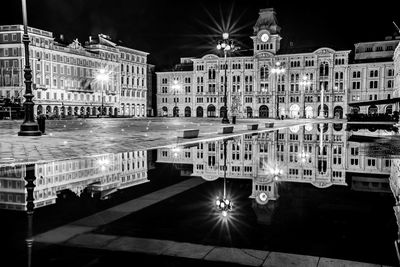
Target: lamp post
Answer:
pixel 304 83
pixel 29 127
pixel 278 70
pixel 102 76
pixel 226 45
pixel 175 87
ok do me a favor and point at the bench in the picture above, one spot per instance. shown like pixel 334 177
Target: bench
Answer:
pixel 188 133
pixel 269 125
pixel 226 129
pixel 252 126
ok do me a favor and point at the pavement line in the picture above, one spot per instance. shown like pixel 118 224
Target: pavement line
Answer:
pixel 89 223
pixel 247 257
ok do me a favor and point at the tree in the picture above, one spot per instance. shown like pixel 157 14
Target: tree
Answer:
pixel 236 105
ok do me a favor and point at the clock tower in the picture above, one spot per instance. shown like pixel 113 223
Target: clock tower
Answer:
pixel 266 32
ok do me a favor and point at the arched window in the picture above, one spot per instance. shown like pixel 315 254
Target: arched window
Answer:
pixel 324 69
pixel 211 74
pixel 264 73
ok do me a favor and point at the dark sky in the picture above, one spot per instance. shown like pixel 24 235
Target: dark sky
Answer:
pixel 169 29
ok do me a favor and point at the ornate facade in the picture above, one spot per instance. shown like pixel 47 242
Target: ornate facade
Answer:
pixel 64 75
pixel 254 89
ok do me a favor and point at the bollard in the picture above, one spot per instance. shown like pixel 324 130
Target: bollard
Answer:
pixel 42 124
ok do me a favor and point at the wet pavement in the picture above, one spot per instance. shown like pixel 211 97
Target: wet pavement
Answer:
pixel 66 139
pixel 330 204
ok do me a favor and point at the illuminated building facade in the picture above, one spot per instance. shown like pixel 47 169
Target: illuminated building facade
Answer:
pixel 256 89
pixel 64 75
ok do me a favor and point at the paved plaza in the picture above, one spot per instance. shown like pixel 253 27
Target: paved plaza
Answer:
pixel 80 234
pixel 67 139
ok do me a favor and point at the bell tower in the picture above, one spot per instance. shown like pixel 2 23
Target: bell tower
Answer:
pixel 266 36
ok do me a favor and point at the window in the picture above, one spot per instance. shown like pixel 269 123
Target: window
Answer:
pixel 373 84
pixel 324 69
pixel 356 74
pixel 356 85
pixel 373 73
pixel 264 73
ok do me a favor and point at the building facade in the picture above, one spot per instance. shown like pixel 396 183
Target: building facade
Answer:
pixel 256 89
pixel 64 75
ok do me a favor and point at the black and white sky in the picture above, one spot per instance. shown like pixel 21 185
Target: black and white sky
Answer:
pixel 170 29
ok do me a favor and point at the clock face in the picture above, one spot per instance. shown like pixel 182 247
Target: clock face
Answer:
pixel 263 197
pixel 264 37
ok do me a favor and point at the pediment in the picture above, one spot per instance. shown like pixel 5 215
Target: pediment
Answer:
pixel 210 57
pixel 322 184
pixel 324 51
pixel 264 54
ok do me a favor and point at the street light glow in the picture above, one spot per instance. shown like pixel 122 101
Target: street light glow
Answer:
pixel 225 35
pixel 102 75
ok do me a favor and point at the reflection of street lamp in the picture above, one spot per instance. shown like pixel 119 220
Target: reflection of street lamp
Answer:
pixel 224 204
pixel 176 87
pixel 276 172
pixel 321 110
pixel 226 45
pixel 304 156
pixel 103 77
pixel 29 127
pixel 278 70
pixel 304 83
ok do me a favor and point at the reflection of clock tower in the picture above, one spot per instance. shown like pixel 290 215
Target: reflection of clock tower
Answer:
pixel 266 32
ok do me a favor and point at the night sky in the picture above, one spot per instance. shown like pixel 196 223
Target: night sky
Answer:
pixel 172 29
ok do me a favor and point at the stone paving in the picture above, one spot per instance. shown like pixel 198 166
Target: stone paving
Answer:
pixel 79 138
pixel 67 139
pixel 80 234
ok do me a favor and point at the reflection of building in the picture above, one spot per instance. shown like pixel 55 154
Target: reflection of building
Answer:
pixel 258 92
pixel 396 59
pixel 315 154
pixel 64 75
pixel 101 174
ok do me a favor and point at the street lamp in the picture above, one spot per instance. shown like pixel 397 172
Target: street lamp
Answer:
pixel 29 127
pixel 176 87
pixel 304 83
pixel 103 77
pixel 226 45
pixel 278 70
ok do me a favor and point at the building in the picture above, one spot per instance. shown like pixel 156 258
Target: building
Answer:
pixel 396 62
pixel 134 81
pixel 151 90
pixel 64 75
pixel 255 89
